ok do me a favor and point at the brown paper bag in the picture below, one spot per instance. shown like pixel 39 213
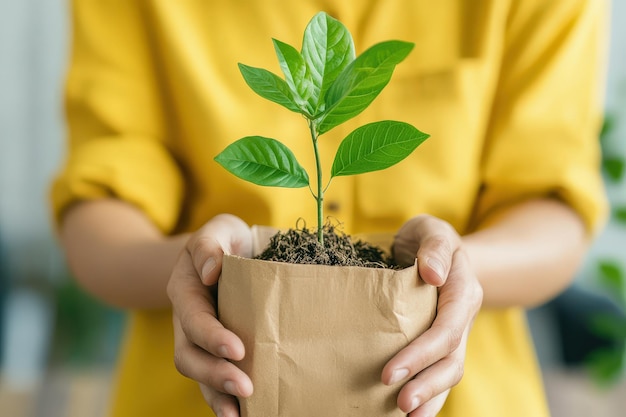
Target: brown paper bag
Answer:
pixel 317 337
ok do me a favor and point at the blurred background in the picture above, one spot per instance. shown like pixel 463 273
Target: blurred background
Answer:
pixel 58 345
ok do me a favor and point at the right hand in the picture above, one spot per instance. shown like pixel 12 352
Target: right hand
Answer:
pixel 203 348
pixel 433 363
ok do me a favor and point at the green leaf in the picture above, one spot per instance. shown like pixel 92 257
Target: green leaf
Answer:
pixel 612 279
pixel 606 366
pixel 269 86
pixel 327 48
pixel 608 125
pixel 263 161
pixel 293 67
pixel 609 326
pixel 620 214
pixel 376 146
pixel 614 168
pixel 361 82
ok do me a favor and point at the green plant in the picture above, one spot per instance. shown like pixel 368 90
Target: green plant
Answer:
pixel 612 163
pixel 328 85
pixel 87 332
pixel 607 364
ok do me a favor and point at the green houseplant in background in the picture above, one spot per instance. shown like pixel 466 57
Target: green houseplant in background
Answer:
pixel 87 332
pixel 607 365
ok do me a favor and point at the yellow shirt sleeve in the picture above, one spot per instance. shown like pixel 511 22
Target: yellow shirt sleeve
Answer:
pixel 117 130
pixel 544 132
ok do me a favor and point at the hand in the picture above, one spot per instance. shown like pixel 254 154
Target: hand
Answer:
pixel 203 348
pixel 433 363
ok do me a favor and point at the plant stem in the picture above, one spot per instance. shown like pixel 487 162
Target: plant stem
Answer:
pixel 320 191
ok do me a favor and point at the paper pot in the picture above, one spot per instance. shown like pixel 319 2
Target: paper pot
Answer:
pixel 317 337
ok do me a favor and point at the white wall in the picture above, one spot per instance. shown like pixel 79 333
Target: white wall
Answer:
pixel 33 37
pixel 32 60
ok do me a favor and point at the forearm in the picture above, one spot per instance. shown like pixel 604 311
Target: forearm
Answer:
pixel 118 255
pixel 527 254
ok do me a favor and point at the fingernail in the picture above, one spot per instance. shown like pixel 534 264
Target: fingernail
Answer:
pixel 437 266
pixel 415 402
pixel 230 387
pixel 208 266
pixel 398 375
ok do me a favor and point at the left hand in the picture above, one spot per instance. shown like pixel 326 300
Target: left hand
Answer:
pixel 203 349
pixel 433 363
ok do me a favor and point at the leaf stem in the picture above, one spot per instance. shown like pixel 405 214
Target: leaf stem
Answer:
pixel 320 190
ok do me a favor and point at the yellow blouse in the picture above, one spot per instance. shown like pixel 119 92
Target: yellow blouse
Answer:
pixel 510 92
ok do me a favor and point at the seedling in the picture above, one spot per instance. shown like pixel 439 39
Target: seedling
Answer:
pixel 328 85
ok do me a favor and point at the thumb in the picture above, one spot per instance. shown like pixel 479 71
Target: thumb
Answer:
pixel 222 234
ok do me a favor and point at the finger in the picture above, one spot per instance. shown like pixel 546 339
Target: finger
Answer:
pixel 194 312
pixel 206 332
pixel 432 407
pixel 459 301
pixel 432 241
pixel 433 381
pixel 222 234
pixel 223 405
pixel 219 374
pixel 432 346
pixel 434 260
pixel 437 246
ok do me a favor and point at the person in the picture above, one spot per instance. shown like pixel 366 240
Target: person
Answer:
pixel 499 205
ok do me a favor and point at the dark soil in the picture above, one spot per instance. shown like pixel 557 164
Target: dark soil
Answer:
pixel 301 246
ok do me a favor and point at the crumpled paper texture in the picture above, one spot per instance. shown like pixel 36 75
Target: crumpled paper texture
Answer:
pixel 317 337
